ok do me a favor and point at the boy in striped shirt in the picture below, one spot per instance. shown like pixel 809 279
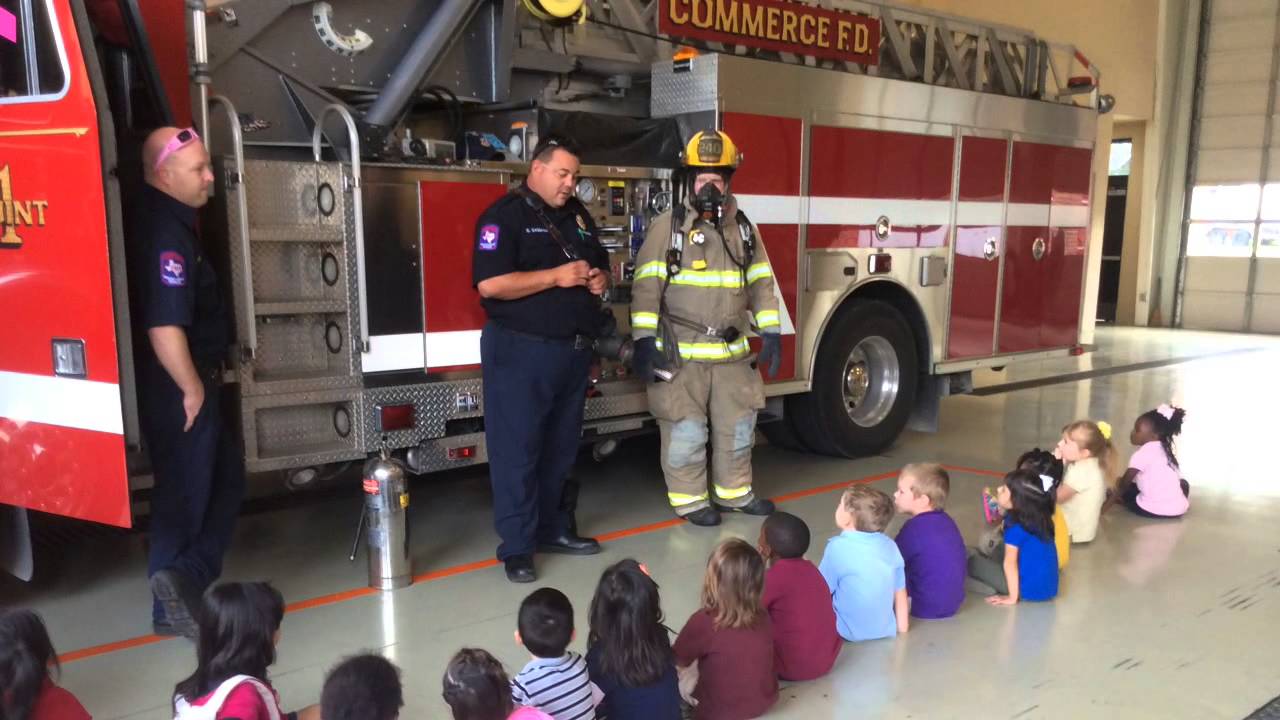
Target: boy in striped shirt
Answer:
pixel 555 681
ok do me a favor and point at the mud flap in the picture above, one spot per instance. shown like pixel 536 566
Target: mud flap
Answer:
pixel 16 556
pixel 931 390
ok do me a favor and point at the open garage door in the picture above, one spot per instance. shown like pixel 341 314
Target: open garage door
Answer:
pixel 1232 223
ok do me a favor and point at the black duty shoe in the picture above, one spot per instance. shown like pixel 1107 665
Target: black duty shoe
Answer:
pixel 570 544
pixel 520 569
pixel 705 517
pixel 180 601
pixel 757 506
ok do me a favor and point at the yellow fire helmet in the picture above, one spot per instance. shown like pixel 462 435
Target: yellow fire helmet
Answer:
pixel 558 12
pixel 711 149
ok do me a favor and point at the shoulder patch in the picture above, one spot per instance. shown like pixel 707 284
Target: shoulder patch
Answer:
pixel 489 238
pixel 173 269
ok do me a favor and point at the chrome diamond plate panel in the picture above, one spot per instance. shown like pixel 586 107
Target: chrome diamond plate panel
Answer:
pixel 676 93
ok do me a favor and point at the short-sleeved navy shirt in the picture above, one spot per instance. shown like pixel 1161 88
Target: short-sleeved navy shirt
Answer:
pixel 171 279
pixel 510 237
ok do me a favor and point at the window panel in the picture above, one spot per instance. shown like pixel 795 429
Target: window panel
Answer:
pixel 1118 163
pixel 1225 202
pixel 1215 239
pixel 1271 202
pixel 1269 240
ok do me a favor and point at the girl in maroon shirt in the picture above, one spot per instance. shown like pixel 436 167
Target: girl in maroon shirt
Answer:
pixel 28 664
pixel 730 638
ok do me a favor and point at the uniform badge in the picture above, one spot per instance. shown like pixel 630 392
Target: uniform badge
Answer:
pixel 697 237
pixel 173 269
pixel 489 237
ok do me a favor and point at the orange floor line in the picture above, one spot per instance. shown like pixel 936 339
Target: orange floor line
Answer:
pixel 345 595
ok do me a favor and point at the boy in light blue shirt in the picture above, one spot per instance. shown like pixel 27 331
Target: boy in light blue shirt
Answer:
pixel 864 569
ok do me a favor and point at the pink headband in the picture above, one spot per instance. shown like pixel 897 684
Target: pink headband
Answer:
pixel 176 143
pixel 1166 411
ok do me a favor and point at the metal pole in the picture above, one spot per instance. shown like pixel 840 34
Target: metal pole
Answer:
pixel 430 45
pixel 200 65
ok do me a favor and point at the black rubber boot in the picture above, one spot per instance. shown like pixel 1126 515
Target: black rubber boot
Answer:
pixel 757 506
pixel 706 517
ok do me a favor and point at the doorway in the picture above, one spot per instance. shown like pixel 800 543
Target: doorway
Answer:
pixel 1119 162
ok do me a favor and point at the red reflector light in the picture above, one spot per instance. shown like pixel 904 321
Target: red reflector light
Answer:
pixel 466 452
pixel 880 263
pixel 1077 350
pixel 395 417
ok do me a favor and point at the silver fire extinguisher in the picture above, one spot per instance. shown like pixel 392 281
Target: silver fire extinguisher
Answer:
pixel 385 520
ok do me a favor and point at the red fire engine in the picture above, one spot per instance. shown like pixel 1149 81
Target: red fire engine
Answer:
pixel 922 183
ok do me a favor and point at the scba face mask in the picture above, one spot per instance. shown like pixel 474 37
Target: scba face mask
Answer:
pixel 709 202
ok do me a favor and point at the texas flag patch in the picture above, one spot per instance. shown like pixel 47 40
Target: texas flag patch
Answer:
pixel 173 269
pixel 489 237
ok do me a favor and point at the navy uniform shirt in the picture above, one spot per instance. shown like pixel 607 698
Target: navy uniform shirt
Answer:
pixel 171 279
pixel 510 237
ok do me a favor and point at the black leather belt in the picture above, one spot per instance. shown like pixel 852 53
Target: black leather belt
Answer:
pixel 578 342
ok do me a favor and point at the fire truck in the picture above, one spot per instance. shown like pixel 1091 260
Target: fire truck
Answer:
pixel 921 181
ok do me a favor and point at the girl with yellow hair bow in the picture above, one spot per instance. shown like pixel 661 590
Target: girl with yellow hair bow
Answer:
pixel 1089 456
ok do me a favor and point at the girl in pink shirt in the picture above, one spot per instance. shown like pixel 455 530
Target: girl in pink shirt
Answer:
pixel 1153 485
pixel 239 628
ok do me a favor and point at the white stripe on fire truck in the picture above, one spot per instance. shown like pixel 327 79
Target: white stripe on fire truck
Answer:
pixel 789 209
pixel 411 351
pixel 65 402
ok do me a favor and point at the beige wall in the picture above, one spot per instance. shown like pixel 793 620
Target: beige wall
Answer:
pixel 1118 36
pixel 1127 302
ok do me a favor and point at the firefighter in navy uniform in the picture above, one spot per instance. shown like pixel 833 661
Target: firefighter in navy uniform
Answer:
pixel 540 272
pixel 183 333
pixel 702 280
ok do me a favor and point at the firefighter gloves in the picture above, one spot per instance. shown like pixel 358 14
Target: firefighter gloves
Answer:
pixel 770 357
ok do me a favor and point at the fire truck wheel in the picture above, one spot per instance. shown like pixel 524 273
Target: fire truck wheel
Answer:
pixel 864 383
pixel 780 433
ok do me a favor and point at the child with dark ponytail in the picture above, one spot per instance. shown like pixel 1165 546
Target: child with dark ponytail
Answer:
pixel 1153 485
pixel 28 666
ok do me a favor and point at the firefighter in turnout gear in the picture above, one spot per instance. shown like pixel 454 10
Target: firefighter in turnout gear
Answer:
pixel 702 282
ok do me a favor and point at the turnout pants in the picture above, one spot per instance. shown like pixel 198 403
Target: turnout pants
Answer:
pixel 199 482
pixel 714 402
pixel 535 392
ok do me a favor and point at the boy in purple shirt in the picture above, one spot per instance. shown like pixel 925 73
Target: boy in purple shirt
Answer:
pixel 805 642
pixel 931 545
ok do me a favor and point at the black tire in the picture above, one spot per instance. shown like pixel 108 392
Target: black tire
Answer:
pixel 822 417
pixel 780 434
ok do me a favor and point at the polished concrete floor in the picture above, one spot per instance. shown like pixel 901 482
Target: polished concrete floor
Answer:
pixel 1155 619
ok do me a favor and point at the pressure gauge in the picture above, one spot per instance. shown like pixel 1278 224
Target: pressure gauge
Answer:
pixel 586 191
pixel 659 202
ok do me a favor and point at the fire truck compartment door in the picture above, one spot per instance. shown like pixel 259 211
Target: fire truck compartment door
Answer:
pixel 62 446
pixel 1048 219
pixel 451 309
pixel 979 239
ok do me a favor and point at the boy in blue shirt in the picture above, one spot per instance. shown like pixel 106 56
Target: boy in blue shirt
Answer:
pixel 864 570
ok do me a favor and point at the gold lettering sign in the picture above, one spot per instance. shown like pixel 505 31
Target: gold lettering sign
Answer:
pixel 17 213
pixel 777 25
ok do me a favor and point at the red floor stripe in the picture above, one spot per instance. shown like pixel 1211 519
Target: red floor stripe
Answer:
pixel 338 597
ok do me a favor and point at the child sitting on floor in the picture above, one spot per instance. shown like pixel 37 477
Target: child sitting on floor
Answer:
pixel 931 545
pixel 1153 486
pixel 1085 449
pixel 728 642
pixel 629 653
pixel 28 666
pixel 476 688
pixel 1048 466
pixel 1025 566
pixel 239 627
pixel 805 641
pixel 864 570
pixel 362 687
pixel 555 680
